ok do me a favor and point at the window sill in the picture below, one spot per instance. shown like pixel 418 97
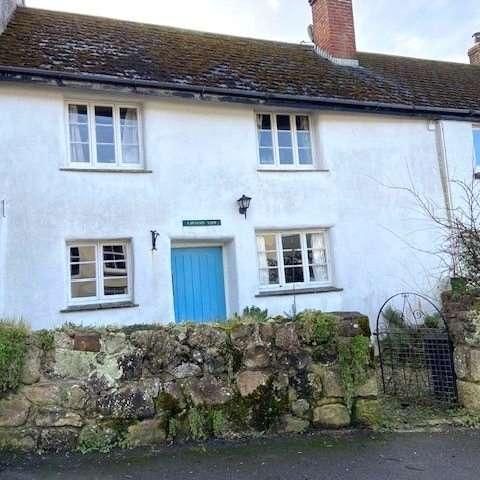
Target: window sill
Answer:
pixel 98 306
pixel 297 291
pixel 105 170
pixel 293 169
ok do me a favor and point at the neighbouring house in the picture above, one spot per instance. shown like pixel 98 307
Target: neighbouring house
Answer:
pixel 125 147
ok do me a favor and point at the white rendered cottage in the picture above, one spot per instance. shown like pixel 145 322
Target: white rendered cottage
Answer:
pixel 125 147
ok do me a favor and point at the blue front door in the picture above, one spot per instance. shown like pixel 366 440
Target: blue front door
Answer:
pixel 198 284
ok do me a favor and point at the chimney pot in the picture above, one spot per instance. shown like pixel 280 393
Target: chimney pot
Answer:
pixel 334 31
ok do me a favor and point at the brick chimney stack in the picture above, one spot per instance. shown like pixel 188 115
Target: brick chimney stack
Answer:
pixel 7 9
pixel 333 30
pixel 474 52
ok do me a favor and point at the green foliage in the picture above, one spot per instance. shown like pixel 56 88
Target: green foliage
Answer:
pixel 167 404
pixel 354 363
pixel 433 321
pixel 219 423
pixel 97 439
pixel 318 328
pixel 256 314
pixel 268 405
pixel 13 347
pixel 46 339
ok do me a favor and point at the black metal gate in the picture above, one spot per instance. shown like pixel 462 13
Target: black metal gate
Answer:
pixel 415 351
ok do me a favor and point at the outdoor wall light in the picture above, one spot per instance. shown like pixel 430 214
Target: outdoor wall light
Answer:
pixel 155 235
pixel 244 205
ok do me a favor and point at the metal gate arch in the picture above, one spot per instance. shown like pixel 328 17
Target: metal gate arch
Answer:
pixel 415 351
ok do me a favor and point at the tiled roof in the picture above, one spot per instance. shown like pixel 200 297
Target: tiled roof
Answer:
pixel 83 45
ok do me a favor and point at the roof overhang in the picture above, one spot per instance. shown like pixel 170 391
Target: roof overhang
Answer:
pixel 225 95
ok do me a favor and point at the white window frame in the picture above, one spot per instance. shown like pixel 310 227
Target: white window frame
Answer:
pixel 282 285
pixel 476 161
pixel 276 151
pixel 100 297
pixel 92 137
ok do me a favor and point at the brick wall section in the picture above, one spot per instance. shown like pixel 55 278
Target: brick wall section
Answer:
pixel 474 54
pixel 333 27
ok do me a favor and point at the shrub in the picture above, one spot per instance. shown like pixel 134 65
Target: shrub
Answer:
pixel 13 347
pixel 95 439
pixel 46 339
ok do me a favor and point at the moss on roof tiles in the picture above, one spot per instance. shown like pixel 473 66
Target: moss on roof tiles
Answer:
pixel 66 42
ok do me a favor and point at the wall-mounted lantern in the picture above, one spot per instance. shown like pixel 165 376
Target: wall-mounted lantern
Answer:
pixel 244 205
pixel 155 236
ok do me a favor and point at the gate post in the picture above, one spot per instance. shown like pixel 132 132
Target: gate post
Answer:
pixel 462 314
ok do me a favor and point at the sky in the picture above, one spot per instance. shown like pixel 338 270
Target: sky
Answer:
pixel 437 29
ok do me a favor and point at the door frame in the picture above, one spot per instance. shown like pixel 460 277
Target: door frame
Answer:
pixel 174 244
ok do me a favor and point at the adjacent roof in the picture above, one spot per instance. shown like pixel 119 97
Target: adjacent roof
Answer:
pixel 77 46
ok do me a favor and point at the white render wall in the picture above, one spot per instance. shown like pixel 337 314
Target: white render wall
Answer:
pixel 204 157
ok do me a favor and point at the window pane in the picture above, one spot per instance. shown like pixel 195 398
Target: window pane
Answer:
pixel 266 156
pixel 286 156
pixel 283 122
pixel 291 242
pixel 264 122
pixel 315 240
pixel 131 154
pixel 116 286
pixel 318 273
pixel 476 141
pixel 106 153
pixel 84 289
pixel 303 139
pixel 303 123
pixel 79 134
pixel 81 271
pixel 270 258
pixel 82 254
pixel 305 157
pixel 317 257
pixel 294 275
pixel 113 252
pixel 128 117
pixel 284 139
pixel 292 257
pixel 269 276
pixel 104 116
pixel 265 139
pixel 80 152
pixel 104 134
pixel 78 114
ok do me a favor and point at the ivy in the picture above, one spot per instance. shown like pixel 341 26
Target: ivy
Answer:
pixel 354 363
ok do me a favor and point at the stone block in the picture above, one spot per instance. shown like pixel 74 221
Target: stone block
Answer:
pixel 286 338
pixel 58 440
pixel 301 408
pixel 369 389
pixel 461 357
pixel 330 380
pixel 14 411
pixel 332 416
pixel 73 364
pixel 187 370
pixel 207 390
pixel 291 424
pixel 127 403
pixel 257 356
pixel 63 340
pixel 469 395
pixel 43 394
pixel 146 433
pixel 57 417
pixel 249 381
pixel 113 342
pixel 474 365
pixel 32 365
pixel 367 412
pixel 86 342
pixel 18 439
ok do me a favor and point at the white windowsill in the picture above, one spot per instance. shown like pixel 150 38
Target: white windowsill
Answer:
pixel 105 170
pixel 99 306
pixel 277 292
pixel 289 169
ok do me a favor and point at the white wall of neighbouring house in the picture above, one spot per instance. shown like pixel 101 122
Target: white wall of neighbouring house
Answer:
pixel 203 157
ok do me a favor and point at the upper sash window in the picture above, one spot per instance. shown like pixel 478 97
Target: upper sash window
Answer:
pixel 104 136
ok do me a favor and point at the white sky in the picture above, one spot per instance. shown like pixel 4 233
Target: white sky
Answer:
pixel 439 29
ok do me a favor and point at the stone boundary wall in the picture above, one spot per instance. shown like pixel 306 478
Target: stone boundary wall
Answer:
pixel 462 314
pixel 96 389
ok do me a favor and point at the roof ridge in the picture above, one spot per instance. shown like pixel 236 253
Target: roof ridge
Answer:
pixel 169 27
pixel 417 59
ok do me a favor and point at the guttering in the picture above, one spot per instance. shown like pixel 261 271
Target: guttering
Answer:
pixel 8 73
